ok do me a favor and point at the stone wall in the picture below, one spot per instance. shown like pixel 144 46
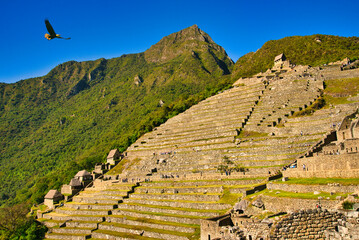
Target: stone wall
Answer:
pixel 211 228
pixel 324 166
pixel 306 224
pixel 311 188
pixel 348 228
pixel 281 204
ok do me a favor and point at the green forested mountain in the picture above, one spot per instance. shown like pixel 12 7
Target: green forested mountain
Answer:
pixel 301 50
pixel 53 126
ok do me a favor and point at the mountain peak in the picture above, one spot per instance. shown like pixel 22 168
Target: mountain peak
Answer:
pixel 186 40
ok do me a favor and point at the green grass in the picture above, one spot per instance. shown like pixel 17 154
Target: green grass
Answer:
pixel 337 91
pixel 284 194
pixel 251 134
pixel 228 197
pixel 318 104
pixel 121 166
pixel 321 181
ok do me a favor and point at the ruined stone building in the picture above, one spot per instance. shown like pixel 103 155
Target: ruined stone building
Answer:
pixel 52 197
pixel 281 63
pixel 339 158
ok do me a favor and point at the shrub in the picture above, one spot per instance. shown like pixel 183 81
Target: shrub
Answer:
pixel 347 205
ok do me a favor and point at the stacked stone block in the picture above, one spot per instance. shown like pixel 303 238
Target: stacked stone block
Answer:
pixel 306 224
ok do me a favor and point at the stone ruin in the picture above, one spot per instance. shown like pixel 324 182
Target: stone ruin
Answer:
pixel 302 224
pixel 338 157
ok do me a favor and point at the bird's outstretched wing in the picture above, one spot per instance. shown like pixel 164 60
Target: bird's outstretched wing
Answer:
pixel 64 38
pixel 49 28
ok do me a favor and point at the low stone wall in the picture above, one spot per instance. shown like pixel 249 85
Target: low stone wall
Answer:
pixel 177 197
pixel 158 226
pixel 166 211
pixel 82 212
pixel 218 179
pixel 71 231
pixel 99 235
pixel 90 206
pixel 95 200
pixel 324 166
pixel 180 190
pixel 113 218
pixel 55 236
pixel 138 232
pixel 311 188
pixel 74 224
pixel 306 224
pixel 348 228
pixel 281 204
pixel 295 173
pixel 206 206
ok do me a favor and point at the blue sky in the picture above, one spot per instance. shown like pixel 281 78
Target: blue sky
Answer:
pixel 109 28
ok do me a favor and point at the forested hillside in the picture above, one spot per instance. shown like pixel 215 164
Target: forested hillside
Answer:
pixel 53 126
pixel 312 50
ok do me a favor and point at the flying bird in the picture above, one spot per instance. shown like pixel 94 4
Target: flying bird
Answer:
pixel 52 34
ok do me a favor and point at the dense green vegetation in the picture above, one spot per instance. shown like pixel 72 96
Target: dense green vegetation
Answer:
pixel 53 126
pixel 14 224
pixel 311 50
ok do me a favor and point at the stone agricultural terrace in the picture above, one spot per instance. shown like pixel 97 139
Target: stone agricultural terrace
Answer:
pixel 200 163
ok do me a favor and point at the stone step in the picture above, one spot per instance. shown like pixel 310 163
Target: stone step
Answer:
pixel 212 128
pixel 142 231
pixel 82 212
pixel 96 200
pixel 188 142
pixel 230 104
pixel 179 190
pixel 143 222
pixel 82 224
pixel 216 180
pixel 178 197
pixel 185 137
pixel 177 204
pixel 66 217
pixel 193 119
pixel 106 234
pixel 77 205
pixel 112 191
pixel 67 236
pixel 168 210
pixel 51 223
pixel 104 195
pixel 70 230
pixel 154 216
pixel 182 141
